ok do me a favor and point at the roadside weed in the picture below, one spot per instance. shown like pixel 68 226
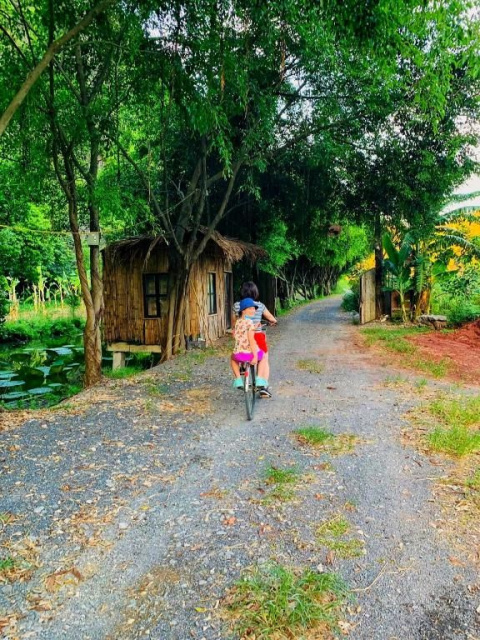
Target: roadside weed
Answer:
pixel 457 411
pixel 282 482
pixel 275 475
pixel 391 339
pixel 6 564
pixel 6 517
pixel 394 380
pixel 335 527
pixel 156 389
pixel 311 365
pixel 436 369
pixel 314 435
pixel 473 482
pixel 457 432
pixel 457 441
pixel 272 601
pixel 331 534
pixel 323 440
pixel 123 372
pixel 395 341
pixel 421 384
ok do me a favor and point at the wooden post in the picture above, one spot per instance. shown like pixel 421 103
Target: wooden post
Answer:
pixel 118 360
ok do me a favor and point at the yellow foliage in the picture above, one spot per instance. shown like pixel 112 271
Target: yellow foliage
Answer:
pixel 367 263
pixel 452 265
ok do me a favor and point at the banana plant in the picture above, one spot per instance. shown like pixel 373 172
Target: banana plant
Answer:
pixel 400 265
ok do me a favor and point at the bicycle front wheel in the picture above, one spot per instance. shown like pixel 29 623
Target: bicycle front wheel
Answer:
pixel 249 388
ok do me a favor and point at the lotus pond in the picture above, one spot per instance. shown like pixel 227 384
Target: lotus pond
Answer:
pixel 36 375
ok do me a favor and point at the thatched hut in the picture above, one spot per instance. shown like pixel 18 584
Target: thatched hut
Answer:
pixel 136 282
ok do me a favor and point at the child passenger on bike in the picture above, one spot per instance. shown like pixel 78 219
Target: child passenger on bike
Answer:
pixel 246 348
pixel 250 290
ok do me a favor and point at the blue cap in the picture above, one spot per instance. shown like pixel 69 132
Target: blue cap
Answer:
pixel 246 303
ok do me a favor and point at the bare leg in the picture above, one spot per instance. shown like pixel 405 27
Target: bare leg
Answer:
pixel 235 367
pixel 263 369
pixel 267 367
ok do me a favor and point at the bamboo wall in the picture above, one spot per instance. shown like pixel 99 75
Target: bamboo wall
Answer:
pixel 124 318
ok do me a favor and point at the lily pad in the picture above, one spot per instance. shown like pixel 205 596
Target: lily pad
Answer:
pixel 10 384
pixel 39 391
pixel 7 375
pixel 61 351
pixel 14 395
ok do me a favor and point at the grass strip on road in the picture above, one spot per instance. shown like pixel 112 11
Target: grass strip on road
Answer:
pixel 273 601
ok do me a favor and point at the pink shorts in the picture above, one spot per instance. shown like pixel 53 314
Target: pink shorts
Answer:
pixel 246 357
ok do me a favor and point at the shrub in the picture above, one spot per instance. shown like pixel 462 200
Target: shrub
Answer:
pixel 4 302
pixel 462 311
pixel 40 328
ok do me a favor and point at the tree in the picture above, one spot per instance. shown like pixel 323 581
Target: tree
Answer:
pixel 42 65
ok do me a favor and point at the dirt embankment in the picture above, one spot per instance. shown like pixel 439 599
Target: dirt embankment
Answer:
pixel 461 348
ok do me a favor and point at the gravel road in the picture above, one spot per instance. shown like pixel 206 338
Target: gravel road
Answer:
pixel 138 506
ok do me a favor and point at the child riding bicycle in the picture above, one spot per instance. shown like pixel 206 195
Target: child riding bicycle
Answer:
pixel 246 348
pixel 250 290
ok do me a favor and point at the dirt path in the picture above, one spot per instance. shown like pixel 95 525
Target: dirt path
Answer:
pixel 155 509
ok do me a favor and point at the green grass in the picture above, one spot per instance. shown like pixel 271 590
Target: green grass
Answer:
pixel 458 431
pixel 395 380
pixel 156 390
pixel 421 384
pixel 282 482
pixel 457 411
pixel 457 441
pixel 436 369
pixel 328 442
pixel 5 517
pixel 274 475
pixel 395 341
pixel 473 482
pixel 392 339
pixel 311 365
pixel 314 435
pixel 123 372
pixel 7 563
pixel 40 327
pixel 273 601
pixel 331 534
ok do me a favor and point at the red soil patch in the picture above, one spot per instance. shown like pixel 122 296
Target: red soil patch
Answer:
pixel 460 348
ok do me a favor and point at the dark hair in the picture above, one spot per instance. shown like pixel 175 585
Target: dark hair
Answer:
pixel 249 290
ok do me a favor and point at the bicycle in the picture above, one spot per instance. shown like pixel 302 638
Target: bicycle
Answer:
pixel 249 372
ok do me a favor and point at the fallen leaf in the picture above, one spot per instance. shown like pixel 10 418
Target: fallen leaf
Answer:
pixel 53 581
pixel 228 522
pixel 264 528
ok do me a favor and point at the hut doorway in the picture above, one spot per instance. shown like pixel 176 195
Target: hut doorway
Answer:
pixel 228 299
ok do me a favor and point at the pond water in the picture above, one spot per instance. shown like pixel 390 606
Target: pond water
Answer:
pixel 42 374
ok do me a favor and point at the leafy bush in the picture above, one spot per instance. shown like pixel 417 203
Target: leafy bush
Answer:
pixel 351 298
pixel 40 328
pixel 4 302
pixel 463 311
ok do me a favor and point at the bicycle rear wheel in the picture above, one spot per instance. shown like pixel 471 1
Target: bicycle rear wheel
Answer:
pixel 250 390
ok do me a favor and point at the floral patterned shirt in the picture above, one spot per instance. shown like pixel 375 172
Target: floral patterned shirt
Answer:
pixel 242 343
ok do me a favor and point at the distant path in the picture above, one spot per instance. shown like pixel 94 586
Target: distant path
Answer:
pixel 159 509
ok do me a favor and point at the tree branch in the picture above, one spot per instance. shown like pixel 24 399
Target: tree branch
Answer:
pixel 34 75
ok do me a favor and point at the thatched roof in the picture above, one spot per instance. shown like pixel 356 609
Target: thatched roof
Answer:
pixel 233 250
